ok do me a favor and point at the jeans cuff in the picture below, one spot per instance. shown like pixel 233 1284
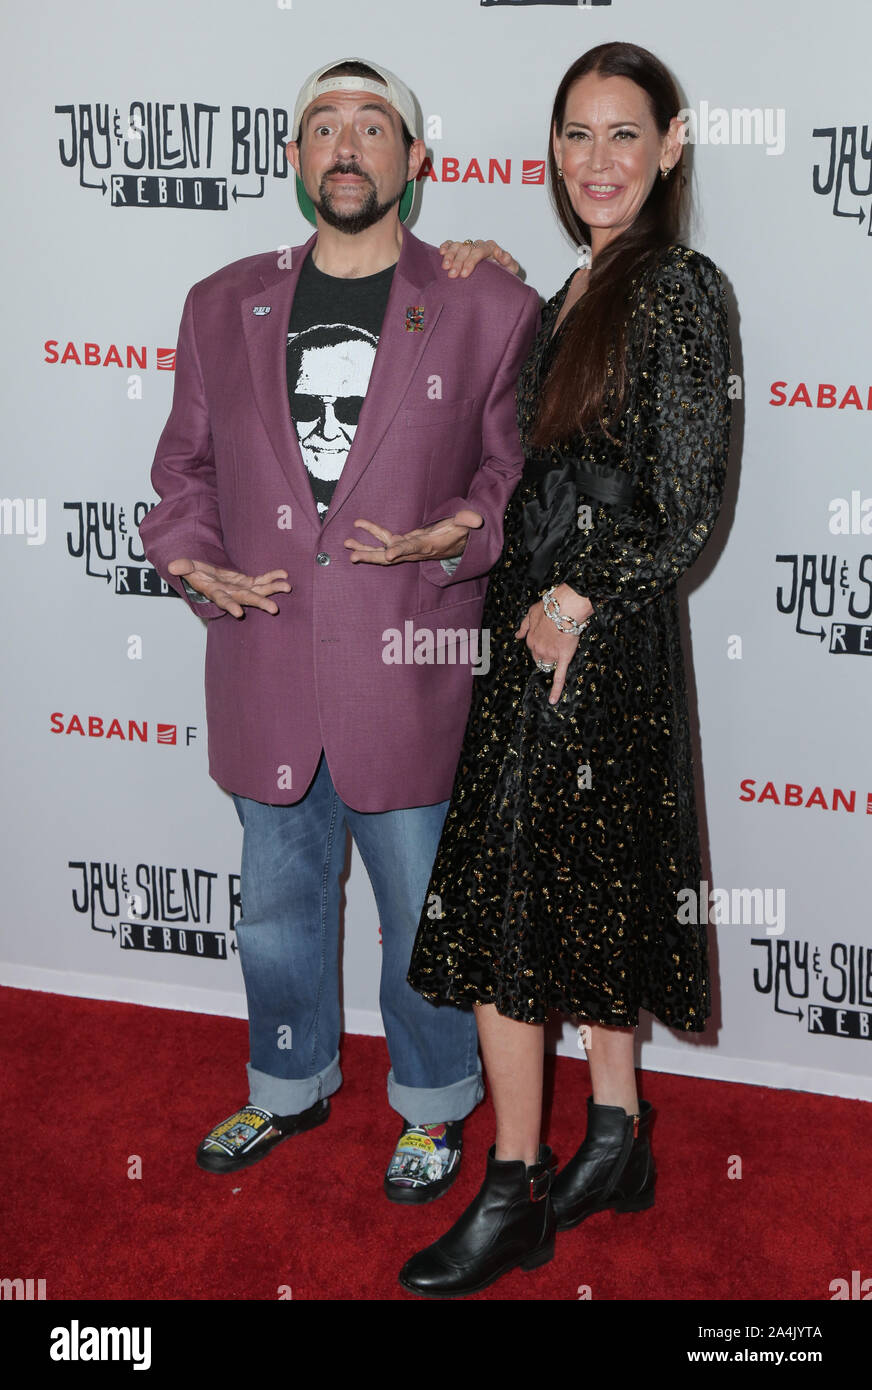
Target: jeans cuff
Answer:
pixel 291 1097
pixel 422 1106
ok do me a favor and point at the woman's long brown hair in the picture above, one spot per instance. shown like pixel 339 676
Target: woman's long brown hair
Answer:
pixel 591 360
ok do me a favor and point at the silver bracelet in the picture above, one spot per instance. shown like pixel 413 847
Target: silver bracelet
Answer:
pixel 561 621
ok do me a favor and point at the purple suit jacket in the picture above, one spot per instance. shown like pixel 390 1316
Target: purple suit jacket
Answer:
pixel 230 475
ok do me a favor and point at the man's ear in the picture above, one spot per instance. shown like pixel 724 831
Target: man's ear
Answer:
pixel 417 155
pixel 292 150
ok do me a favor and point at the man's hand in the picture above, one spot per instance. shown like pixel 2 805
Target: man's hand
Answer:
pixel 230 590
pixel 458 258
pixel 442 540
pixel 546 642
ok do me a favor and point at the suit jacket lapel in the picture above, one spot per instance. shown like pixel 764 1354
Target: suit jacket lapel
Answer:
pixel 266 338
pixel 399 351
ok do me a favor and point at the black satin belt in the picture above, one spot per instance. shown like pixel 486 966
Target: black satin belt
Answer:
pixel 553 512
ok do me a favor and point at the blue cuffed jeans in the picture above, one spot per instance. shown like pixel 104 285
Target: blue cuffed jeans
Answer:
pixel 288 937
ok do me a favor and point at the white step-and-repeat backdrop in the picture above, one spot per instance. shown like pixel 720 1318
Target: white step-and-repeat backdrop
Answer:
pixel 143 149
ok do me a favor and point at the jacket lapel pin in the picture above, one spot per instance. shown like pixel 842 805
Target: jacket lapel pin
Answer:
pixel 261 309
pixel 415 318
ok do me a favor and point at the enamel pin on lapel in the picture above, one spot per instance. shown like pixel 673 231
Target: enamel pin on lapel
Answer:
pixel 415 318
pixel 261 309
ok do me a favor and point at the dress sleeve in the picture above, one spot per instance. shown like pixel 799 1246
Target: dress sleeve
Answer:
pixel 676 446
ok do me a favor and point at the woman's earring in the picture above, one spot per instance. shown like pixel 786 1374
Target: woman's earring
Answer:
pixel 559 172
pixel 664 173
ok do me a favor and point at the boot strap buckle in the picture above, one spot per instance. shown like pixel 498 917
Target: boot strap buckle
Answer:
pixel 539 1186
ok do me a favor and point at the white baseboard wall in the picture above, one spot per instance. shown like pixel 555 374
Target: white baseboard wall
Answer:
pixel 706 1063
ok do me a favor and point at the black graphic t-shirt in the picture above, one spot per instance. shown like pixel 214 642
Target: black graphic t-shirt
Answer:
pixel 332 337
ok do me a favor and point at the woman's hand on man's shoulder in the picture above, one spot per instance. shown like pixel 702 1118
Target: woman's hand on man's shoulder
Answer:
pixel 460 258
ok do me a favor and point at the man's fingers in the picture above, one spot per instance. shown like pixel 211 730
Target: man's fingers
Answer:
pixel 222 599
pixel 249 596
pixel 233 579
pixel 368 555
pixel 467 517
pixel 359 545
pixel 236 601
pixel 271 577
pixel 230 590
pixel 208 580
pixel 436 541
pixel 381 533
pixel 404 545
pixel 180 567
pixel 234 598
pixel 371 554
pixel 264 585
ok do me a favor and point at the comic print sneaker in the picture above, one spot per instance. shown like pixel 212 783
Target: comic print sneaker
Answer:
pixel 249 1134
pixel 425 1162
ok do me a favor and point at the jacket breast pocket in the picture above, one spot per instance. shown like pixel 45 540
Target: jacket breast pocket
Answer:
pixel 439 413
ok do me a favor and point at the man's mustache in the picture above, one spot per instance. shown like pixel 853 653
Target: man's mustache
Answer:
pixel 348 169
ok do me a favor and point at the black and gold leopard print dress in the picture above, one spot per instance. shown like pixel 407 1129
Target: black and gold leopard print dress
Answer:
pixel 572 827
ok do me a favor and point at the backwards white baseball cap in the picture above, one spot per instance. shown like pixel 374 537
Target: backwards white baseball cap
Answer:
pixel 388 87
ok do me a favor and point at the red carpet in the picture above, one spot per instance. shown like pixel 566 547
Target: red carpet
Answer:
pixel 87 1085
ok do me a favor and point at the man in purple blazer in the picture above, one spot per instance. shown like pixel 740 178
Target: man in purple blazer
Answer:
pixel 333 476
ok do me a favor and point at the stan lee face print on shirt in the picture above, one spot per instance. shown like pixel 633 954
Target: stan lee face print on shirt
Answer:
pixel 329 366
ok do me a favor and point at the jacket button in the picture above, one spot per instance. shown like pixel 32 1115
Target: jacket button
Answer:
pixel 323 558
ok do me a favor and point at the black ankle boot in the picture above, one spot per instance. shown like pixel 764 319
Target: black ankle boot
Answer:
pixel 611 1170
pixel 510 1222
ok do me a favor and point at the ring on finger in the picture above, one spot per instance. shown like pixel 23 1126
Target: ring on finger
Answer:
pixel 546 666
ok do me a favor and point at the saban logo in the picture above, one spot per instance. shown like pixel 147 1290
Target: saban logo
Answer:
pixel 820 395
pixel 173 154
pixel 488 169
pixel 93 355
pixel 795 794
pixel 125 731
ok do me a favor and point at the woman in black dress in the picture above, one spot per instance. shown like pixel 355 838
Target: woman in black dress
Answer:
pixel 572 824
